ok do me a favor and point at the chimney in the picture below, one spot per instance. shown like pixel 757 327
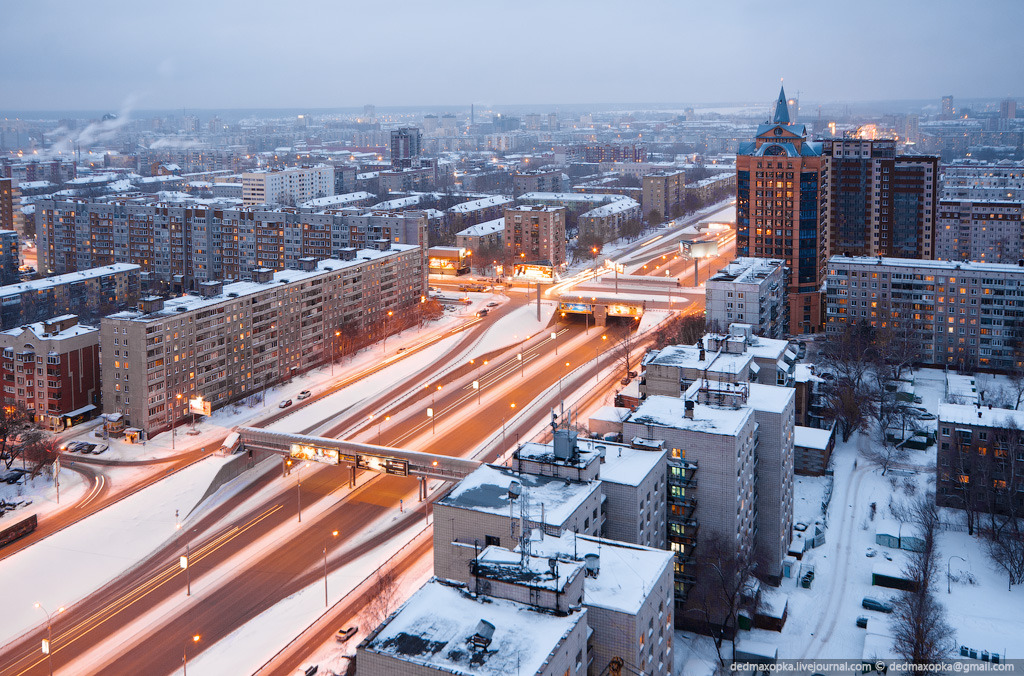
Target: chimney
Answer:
pixel 979 414
pixel 689 404
pixel 703 354
pixel 347 253
pixel 151 304
pixel 307 264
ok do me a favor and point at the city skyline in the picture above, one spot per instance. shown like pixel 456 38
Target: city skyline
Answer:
pixel 692 53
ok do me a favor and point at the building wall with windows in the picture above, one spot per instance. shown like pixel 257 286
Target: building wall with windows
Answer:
pixel 980 460
pixel 961 314
pixel 536 233
pixel 662 191
pixel 779 183
pixel 234 340
pixel 749 291
pixel 90 294
pixel 51 368
pixel 291 186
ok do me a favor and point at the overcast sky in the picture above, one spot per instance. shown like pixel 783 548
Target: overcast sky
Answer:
pixel 104 54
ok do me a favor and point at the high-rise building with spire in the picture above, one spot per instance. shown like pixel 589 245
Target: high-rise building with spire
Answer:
pixel 778 214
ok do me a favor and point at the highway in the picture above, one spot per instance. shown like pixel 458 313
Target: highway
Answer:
pixel 289 552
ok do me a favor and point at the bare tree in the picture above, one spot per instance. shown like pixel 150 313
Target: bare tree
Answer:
pixel 723 573
pixel 625 351
pixel 897 347
pixel 1017 387
pixel 15 422
pixel 848 406
pixel 885 409
pixel 384 597
pixel 1005 532
pixel 680 330
pixel 850 354
pixel 921 633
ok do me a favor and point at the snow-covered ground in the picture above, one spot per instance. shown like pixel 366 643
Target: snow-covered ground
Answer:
pixel 822 620
pixel 38 495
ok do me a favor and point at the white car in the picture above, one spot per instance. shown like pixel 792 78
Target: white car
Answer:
pixel 304 394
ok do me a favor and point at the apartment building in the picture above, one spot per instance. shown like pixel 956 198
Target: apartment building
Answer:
pixel 52 370
pixel 749 291
pixel 664 192
pixel 482 511
pixel 980 461
pixel 990 231
pixel 445 628
pixel 290 186
pixel 535 234
pixel 878 203
pixel 779 183
pixel 406 145
pixel 236 339
pixel 487 235
pixel 715 448
pixel 10 256
pixel 960 314
pixel 89 294
pixel 187 243
pixel 539 180
pixel 10 205
pixel 606 221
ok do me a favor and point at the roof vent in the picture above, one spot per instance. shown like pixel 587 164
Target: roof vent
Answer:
pixel 515 489
pixel 484 633
pixel 593 562
pixel 689 404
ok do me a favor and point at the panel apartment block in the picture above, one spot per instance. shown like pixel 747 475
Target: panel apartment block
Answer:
pixel 236 339
pixel 963 314
pixel 89 294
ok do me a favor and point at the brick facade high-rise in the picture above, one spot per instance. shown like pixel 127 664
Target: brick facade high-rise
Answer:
pixel 779 179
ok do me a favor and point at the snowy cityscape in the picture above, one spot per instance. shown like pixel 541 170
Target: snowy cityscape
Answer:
pixel 346 339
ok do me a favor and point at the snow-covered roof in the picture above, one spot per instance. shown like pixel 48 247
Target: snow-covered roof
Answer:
pixel 47 282
pixel 627 465
pixel 591 198
pixel 476 205
pixel 772 398
pixel 688 356
pixel 943 267
pixel 968 414
pixel 805 373
pixel 335 200
pixel 616 207
pixel 627 575
pixel 486 490
pixel 671 412
pixel 39 329
pixel 485 228
pixel 811 437
pixel 233 291
pixel 434 626
pixel 610 414
pixel 498 563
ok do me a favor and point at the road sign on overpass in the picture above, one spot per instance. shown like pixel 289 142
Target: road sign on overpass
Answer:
pixel 383 459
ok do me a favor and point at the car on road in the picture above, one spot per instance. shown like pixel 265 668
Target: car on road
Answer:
pixel 304 394
pixel 481 312
pixel 285 404
pixel 346 633
pixel 492 305
pixel 401 349
pixel 871 603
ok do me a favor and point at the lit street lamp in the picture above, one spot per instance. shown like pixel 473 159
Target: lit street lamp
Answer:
pixel 49 634
pixel 333 534
pixel 184 656
pixel 386 331
pixel 334 353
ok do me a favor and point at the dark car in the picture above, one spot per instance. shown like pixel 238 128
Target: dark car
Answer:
pixel 862 622
pixel 874 604
pixel 481 312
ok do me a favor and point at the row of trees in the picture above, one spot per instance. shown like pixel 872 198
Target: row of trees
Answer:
pixel 353 335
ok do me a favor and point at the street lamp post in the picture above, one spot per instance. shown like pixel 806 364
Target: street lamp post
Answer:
pixel 386 331
pixel 949 561
pixel 333 534
pixel 49 634
pixel 560 381
pixel 184 656
pixel 554 336
pixel 334 352
pixel 298 488
pixel 170 419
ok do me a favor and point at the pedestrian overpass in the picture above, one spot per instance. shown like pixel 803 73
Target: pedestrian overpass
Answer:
pixel 382 459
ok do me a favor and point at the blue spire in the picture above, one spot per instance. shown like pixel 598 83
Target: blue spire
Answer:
pixel 781 108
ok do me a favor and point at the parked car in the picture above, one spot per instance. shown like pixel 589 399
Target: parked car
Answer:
pixel 285 404
pixel 926 416
pixel 862 622
pixel 874 604
pixel 625 381
pixel 99 448
pixel 304 394
pixel 346 633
